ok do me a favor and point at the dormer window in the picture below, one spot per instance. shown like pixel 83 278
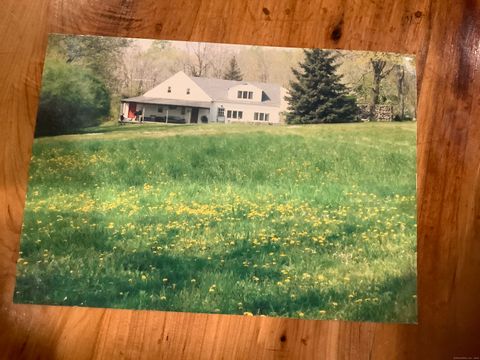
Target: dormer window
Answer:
pixel 188 91
pixel 245 94
pixel 169 89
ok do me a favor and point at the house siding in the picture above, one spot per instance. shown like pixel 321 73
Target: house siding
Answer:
pixel 248 112
pixel 181 88
pixel 256 92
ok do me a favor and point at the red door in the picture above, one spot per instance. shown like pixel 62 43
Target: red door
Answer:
pixel 132 107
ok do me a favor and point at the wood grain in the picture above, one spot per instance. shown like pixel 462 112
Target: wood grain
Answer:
pixel 445 37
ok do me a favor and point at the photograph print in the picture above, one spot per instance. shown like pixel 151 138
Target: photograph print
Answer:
pixel 222 179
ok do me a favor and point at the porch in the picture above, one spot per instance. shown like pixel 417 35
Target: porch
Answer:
pixel 169 111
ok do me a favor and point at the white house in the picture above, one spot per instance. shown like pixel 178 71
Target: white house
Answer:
pixel 184 99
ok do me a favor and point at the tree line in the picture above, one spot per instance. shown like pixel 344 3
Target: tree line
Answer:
pixel 85 77
pixel 318 94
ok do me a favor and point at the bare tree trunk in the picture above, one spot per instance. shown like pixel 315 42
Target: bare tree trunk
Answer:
pixel 201 61
pixel 375 95
pixel 379 73
pixel 401 90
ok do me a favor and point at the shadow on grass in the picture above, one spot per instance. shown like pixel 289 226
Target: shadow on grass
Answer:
pixel 86 270
pixel 112 127
pixel 388 301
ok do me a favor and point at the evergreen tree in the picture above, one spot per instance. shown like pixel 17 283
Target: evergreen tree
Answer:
pixel 317 95
pixel 233 71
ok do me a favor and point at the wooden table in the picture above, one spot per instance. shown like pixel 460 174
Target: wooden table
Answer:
pixel 445 37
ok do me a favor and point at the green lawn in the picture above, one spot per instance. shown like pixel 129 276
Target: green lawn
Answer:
pixel 312 221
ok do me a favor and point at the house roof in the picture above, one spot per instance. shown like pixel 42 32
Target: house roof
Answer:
pixel 217 89
pixel 149 100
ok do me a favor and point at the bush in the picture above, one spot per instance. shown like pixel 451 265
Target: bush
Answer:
pixel 71 98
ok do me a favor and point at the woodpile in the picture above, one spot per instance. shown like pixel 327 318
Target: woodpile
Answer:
pixel 382 112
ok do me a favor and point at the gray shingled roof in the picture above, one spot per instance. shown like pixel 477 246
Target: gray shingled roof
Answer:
pixel 217 89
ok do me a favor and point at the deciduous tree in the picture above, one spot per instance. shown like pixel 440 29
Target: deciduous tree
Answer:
pixel 72 98
pixel 380 71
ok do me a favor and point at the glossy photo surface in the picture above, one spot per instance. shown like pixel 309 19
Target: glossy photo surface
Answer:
pixel 217 178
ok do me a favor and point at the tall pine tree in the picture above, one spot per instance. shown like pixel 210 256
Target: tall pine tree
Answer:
pixel 233 71
pixel 317 95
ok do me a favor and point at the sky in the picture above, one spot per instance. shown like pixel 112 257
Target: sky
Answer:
pixel 144 44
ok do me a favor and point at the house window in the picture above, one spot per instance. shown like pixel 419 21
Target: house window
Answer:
pixel 239 94
pixel 160 109
pixel 188 91
pixel 173 107
pixel 221 112
pixel 261 116
pixel 250 94
pixel 169 89
pixel 182 111
pixel 232 114
pixel 245 95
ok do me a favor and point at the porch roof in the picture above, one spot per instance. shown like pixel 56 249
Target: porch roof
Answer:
pixel 161 101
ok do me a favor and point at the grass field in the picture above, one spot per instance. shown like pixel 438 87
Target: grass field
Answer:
pixel 314 222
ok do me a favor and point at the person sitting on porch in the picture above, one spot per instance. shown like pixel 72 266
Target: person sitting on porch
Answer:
pixel 138 116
